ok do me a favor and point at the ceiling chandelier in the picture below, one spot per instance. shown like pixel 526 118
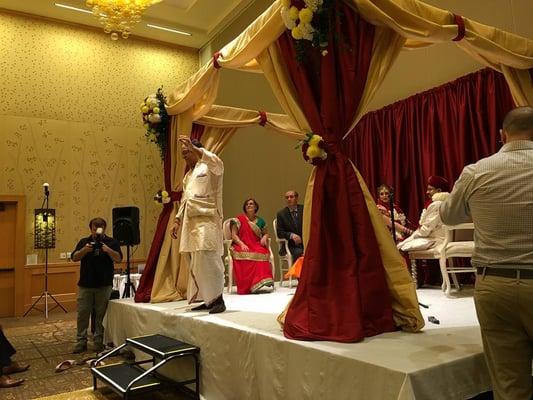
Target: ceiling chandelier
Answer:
pixel 119 16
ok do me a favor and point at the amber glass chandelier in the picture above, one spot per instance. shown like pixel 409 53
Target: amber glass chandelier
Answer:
pixel 119 16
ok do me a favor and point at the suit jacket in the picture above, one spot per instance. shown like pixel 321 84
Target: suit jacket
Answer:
pixel 200 209
pixel 286 225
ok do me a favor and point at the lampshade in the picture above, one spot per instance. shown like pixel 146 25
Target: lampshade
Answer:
pixel 44 228
pixel 119 16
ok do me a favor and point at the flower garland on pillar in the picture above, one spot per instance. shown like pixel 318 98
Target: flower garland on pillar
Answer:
pixel 313 148
pixel 155 119
pixel 308 21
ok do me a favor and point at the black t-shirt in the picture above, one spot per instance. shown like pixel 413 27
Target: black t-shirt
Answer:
pixel 97 270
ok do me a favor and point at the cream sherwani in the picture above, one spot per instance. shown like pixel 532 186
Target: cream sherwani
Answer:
pixel 430 232
pixel 200 213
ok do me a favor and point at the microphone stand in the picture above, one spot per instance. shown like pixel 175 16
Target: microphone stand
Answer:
pixel 47 244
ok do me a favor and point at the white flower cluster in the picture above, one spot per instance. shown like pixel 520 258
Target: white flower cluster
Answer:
pixel 299 21
pixel 150 107
pixel 313 4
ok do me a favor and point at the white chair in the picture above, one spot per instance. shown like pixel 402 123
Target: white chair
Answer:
pixel 287 258
pixel 458 242
pixel 226 230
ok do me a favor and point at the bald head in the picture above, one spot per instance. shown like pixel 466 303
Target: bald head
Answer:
pixel 518 124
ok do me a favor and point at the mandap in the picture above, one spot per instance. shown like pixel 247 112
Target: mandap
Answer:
pixel 358 286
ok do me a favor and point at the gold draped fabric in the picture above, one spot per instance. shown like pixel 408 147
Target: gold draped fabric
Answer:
pixel 423 25
pixel 400 23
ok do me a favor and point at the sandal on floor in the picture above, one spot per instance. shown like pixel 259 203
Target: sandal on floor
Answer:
pixel 64 365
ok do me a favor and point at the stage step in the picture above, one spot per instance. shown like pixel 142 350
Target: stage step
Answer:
pixel 161 346
pixel 119 376
pixel 128 378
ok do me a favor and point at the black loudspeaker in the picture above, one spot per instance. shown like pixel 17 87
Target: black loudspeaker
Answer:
pixel 126 225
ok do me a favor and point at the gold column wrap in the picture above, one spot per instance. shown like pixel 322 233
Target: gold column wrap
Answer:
pixel 172 272
pixel 406 312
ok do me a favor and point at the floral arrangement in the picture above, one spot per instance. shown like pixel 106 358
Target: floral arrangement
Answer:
pixel 155 119
pixel 313 148
pixel 162 197
pixel 308 20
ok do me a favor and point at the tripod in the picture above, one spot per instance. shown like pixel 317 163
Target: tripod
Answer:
pixel 129 285
pixel 47 243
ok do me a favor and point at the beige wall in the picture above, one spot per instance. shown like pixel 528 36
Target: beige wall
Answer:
pixel 70 117
pixel 264 166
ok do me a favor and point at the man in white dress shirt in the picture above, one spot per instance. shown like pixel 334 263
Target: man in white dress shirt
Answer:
pixel 198 223
pixel 497 194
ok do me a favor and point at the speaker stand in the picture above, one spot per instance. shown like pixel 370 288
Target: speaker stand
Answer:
pixel 129 285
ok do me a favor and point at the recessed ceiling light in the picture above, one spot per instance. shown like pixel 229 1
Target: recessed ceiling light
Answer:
pixel 169 30
pixel 73 8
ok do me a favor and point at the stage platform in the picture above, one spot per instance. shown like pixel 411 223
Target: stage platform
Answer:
pixel 244 354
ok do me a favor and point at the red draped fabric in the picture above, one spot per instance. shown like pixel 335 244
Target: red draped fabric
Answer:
pixel 342 294
pixel 436 132
pixel 144 290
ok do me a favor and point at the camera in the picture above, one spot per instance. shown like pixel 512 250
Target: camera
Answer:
pixel 97 244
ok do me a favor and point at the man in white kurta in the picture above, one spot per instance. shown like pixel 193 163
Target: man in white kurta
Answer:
pixel 199 225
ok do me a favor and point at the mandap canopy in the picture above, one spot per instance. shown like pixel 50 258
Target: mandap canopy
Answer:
pixel 354 283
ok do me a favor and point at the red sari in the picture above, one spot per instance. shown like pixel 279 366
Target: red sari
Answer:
pixel 252 269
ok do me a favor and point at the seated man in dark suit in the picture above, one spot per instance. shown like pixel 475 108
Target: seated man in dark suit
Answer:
pixel 289 227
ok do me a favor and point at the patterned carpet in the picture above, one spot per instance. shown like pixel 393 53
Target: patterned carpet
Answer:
pixel 44 344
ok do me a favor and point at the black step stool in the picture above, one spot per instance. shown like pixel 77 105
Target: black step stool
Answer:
pixel 128 378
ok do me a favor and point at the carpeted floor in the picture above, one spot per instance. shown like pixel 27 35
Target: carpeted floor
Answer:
pixel 44 344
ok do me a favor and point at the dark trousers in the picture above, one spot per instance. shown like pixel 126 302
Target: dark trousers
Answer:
pixel 6 350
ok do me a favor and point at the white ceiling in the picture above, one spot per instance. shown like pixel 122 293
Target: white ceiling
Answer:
pixel 202 18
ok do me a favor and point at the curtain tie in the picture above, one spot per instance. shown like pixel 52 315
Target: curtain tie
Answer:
pixel 174 196
pixel 263 116
pixel 460 22
pixel 332 147
pixel 215 59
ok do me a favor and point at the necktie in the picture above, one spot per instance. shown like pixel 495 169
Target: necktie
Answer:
pixel 295 216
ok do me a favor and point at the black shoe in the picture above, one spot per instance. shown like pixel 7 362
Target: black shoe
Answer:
pixel 218 306
pixel 201 307
pixel 80 347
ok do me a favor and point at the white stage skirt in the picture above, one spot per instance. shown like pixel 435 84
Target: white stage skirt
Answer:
pixel 244 354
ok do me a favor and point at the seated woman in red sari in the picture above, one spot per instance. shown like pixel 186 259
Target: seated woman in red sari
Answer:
pixel 401 223
pixel 250 251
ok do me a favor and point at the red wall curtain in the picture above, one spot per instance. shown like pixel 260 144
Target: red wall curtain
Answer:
pixel 144 290
pixel 436 132
pixel 342 294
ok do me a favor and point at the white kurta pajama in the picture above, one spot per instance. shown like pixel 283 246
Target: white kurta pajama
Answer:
pixel 200 213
